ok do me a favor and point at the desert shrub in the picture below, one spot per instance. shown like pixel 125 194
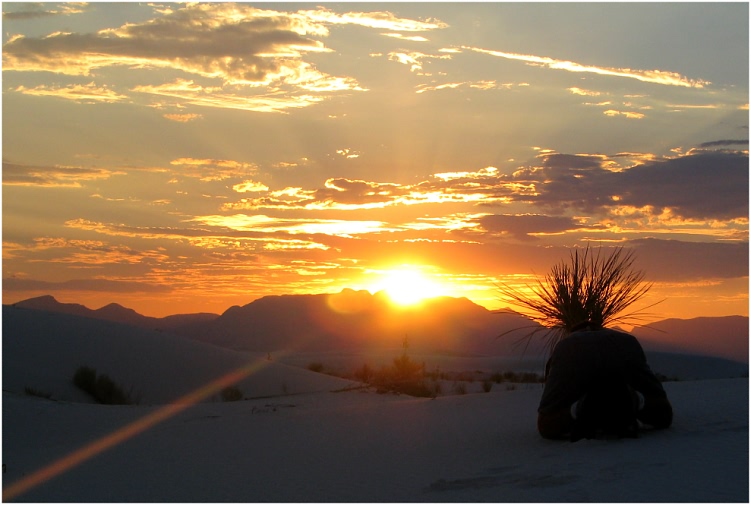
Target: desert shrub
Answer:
pixel 101 387
pixel 364 374
pixel 316 367
pixel 85 379
pixel 460 388
pixel 590 287
pixel 404 375
pixel 231 394
pixel 497 377
pixel 487 385
pixel 36 392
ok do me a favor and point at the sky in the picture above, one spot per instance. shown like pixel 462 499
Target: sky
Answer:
pixel 179 158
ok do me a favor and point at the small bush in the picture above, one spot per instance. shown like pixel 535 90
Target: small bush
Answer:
pixel 460 388
pixel 101 387
pixel 487 385
pixel 36 392
pixel 231 394
pixel 316 367
pixel 85 379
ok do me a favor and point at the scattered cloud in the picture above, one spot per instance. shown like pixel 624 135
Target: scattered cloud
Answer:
pixel 411 38
pixel 526 226
pixel 584 92
pixel 266 224
pixel 651 76
pixel 213 170
pixel 193 94
pixel 348 153
pixel 415 59
pixel 706 185
pixel 250 187
pixel 381 20
pixel 625 113
pixel 723 143
pixel 481 85
pixel 87 93
pixel 182 118
pixel 98 285
pixel 33 10
pixel 700 185
pixel 243 47
pixel 15 174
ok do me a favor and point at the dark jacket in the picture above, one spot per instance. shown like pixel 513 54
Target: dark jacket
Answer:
pixel 585 358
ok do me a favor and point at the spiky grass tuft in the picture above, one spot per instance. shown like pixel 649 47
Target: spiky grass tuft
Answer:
pixel 591 287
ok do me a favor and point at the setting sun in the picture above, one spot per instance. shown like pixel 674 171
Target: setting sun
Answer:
pixel 407 285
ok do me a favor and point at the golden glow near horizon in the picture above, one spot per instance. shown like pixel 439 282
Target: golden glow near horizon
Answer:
pixel 407 285
pixel 189 157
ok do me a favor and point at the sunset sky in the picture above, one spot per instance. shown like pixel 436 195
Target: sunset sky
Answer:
pixel 179 158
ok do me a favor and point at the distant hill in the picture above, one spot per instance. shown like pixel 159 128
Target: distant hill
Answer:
pixel 115 313
pixel 361 320
pixel 725 337
pixel 358 319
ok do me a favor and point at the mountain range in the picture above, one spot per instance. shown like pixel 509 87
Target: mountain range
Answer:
pixel 361 320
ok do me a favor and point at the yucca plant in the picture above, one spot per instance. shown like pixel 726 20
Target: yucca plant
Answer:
pixel 591 287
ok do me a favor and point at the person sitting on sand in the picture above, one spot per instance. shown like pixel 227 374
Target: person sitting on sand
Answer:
pixel 599 384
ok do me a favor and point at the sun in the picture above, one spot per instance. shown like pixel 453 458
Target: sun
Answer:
pixel 407 285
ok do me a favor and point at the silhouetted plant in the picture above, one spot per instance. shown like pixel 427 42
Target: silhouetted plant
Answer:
pixel 591 287
pixel 316 367
pixel 403 376
pixel 364 373
pixel 36 392
pixel 85 379
pixel 460 388
pixel 101 387
pixel 231 394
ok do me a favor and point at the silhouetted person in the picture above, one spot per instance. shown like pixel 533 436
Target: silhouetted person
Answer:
pixel 598 383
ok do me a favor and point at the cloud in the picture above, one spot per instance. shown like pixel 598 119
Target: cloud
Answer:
pixel 266 224
pixel 702 185
pixel 627 114
pixel 651 76
pixel 213 170
pixel 381 20
pixel 481 85
pixel 228 41
pixel 249 187
pixel 100 285
pixel 87 93
pixel 673 260
pixel 193 94
pixel 246 240
pixel 526 226
pixel 584 92
pixel 723 143
pixel 15 174
pixel 415 59
pixel 412 38
pixel 706 185
pixel 34 10
pixel 242 46
pixel 182 118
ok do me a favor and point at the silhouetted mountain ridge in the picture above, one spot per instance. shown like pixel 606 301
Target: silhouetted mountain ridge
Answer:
pixel 725 337
pixel 361 320
pixel 114 312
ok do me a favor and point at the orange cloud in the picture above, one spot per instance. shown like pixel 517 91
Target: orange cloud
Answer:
pixel 213 170
pixel 651 76
pixel 15 174
pixel 88 93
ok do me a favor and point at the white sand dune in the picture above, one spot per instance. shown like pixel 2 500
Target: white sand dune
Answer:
pixel 42 350
pixel 305 443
